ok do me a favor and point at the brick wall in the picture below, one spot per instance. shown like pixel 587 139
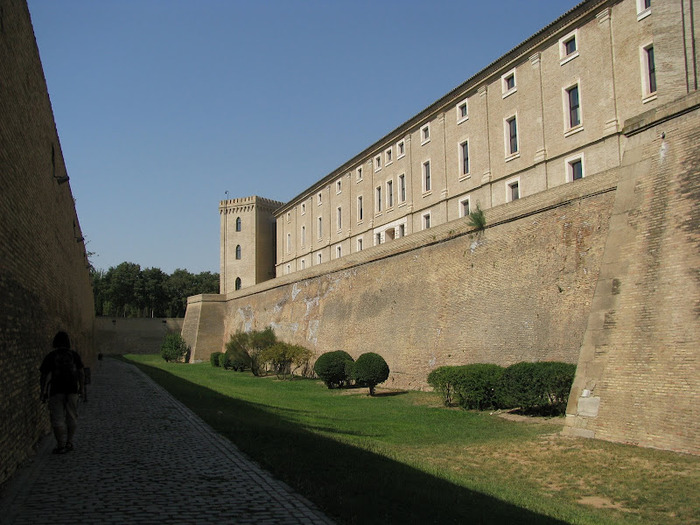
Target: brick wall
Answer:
pixel 115 335
pixel 520 290
pixel 44 281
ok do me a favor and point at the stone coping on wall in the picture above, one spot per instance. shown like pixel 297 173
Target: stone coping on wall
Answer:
pixel 554 197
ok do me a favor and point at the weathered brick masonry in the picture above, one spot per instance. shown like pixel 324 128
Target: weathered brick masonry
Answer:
pixel 44 281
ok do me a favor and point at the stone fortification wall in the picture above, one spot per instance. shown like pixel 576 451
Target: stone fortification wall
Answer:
pixel 44 280
pixel 638 376
pixel 519 290
pixel 115 335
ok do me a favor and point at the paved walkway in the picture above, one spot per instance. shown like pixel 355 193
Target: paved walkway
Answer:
pixel 141 457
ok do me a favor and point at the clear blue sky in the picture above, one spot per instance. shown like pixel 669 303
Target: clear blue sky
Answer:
pixel 163 105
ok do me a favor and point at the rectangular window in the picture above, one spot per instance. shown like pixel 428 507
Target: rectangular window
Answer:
pixel 320 227
pixel 574 168
pixel 402 230
pixel 340 218
pixel 338 186
pixel 379 198
pixel 426 221
pixel 425 134
pixel 360 210
pixel 378 239
pixel 513 191
pixel 359 173
pixel 289 242
pixel 402 188
pixel 303 208
pixel 377 163
pixel 426 176
pixel 512 134
pixel 643 9
pixel 570 45
pixel 389 193
pixel 574 106
pixel 650 69
pixel 303 264
pixel 462 111
pixel 320 258
pixel 464 158
pixel 400 149
pixel 359 244
pixel 338 252
pixel 508 84
pixel 389 156
pixel 320 199
pixel 303 235
pixel 464 208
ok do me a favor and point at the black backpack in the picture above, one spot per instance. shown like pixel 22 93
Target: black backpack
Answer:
pixel 64 370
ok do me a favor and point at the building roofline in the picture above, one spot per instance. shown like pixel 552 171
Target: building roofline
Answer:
pixel 472 84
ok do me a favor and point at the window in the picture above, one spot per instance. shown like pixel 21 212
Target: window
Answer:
pixel 359 174
pixel 389 193
pixel 574 168
pixel 568 47
pixel 377 163
pixel 360 209
pixel 338 252
pixel 643 9
pixel 573 106
pixel 289 242
pixel 320 227
pixel 359 244
pixel 513 190
pixel 289 216
pixel 427 184
pixel 508 84
pixel 464 207
pixel 426 221
pixel 400 149
pixel 648 73
pixel 464 158
pixel 303 208
pixel 402 188
pixel 378 239
pixel 238 224
pixel 462 111
pixel 340 217
pixel 379 198
pixel 402 230
pixel 511 136
pixel 238 252
pixel 338 186
pixel 388 154
pixel 238 283
pixel 303 235
pixel 303 264
pixel 319 258
pixel 288 269
pixel 320 198
pixel 425 134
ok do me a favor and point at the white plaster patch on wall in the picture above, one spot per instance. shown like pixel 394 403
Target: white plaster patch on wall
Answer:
pixel 311 303
pixel 295 290
pixel 247 316
pixel 312 332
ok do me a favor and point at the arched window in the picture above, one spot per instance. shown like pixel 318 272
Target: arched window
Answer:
pixel 238 224
pixel 238 283
pixel 238 251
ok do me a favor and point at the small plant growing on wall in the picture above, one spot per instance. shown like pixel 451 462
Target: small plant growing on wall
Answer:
pixel 477 218
pixel 370 369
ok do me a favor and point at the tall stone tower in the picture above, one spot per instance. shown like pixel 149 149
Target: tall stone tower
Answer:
pixel 247 242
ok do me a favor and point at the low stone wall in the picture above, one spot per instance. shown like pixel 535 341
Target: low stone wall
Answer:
pixel 115 335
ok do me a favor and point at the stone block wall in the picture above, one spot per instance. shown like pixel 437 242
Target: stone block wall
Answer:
pixel 44 279
pixel 115 335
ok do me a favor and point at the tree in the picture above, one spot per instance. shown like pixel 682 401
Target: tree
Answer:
pixel 174 348
pixel 332 368
pixel 249 346
pixel 286 358
pixel 370 369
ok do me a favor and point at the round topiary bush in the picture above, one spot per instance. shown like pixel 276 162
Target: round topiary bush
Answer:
pixel 370 369
pixel 331 368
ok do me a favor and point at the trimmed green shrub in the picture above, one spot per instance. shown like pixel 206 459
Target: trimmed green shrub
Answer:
pixel 442 381
pixel 222 360
pixel 243 349
pixel 285 358
pixel 331 368
pixel 541 387
pixel 370 369
pixel 475 385
pixel 174 348
pixel 214 358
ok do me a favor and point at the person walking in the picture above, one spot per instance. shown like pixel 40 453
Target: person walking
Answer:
pixel 62 382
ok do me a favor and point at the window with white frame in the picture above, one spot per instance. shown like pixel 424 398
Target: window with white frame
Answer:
pixel 303 235
pixel 319 198
pixel 643 9
pixel 508 83
pixel 511 133
pixel 574 168
pixel 464 158
pixel 377 163
pixel 426 220
pixel 513 190
pixel 359 174
pixel 388 156
pixel 402 230
pixel 425 134
pixel 378 194
pixel 568 47
pixel 464 207
pixel 319 258
pixel 359 244
pixel 402 188
pixel 572 103
pixel 648 72
pixel 400 149
pixel 462 111
pixel 303 264
pixel 289 216
pixel 303 208
pixel 389 193
pixel 339 213
pixel 289 242
pixel 338 186
pixel 427 182
pixel 320 227
pixel 338 252
pixel 377 239
pixel 360 209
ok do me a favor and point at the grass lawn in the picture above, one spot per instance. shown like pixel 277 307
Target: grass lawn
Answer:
pixel 401 457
